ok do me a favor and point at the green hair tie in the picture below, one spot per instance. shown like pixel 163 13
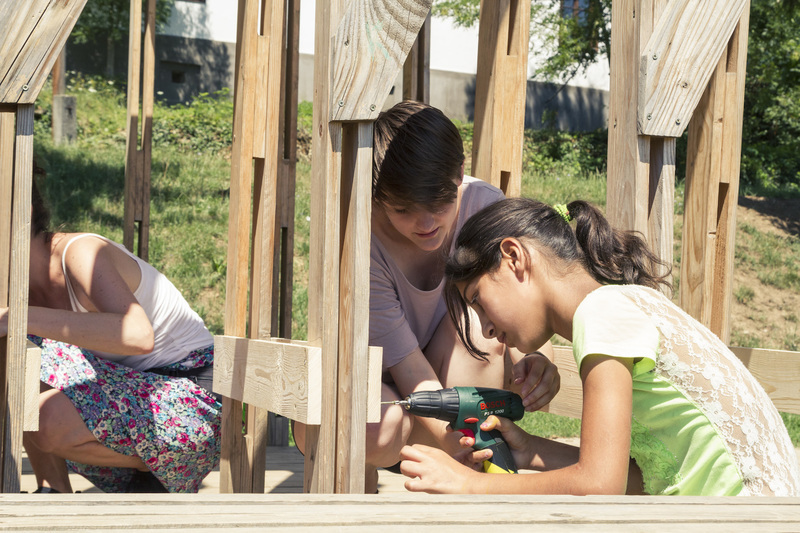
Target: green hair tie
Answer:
pixel 563 212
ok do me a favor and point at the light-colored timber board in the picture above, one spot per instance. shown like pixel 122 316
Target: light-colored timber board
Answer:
pixel 390 512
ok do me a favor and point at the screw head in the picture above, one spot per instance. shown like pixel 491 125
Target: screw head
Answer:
pixel 24 87
pixel 372 107
pixel 655 57
pixel 649 116
pixel 678 121
pixel 341 103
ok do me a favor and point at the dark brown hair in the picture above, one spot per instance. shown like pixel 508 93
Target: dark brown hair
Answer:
pixel 417 156
pixel 611 256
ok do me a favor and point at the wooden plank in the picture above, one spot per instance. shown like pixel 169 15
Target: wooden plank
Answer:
pixel 133 173
pixel 352 401
pixel 16 341
pixel 778 371
pixel 29 50
pixel 417 67
pixel 33 364
pixel 722 292
pixel 500 93
pixel 369 49
pixel 7 140
pixel 323 270
pixel 679 59
pixel 396 512
pixel 284 377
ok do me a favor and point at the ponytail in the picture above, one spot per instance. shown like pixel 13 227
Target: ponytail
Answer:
pixel 613 256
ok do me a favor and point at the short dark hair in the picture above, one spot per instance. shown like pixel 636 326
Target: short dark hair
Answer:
pixel 417 156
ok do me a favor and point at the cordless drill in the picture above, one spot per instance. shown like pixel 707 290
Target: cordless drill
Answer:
pixel 465 408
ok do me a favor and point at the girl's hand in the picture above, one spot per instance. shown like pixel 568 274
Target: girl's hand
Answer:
pixel 435 472
pixel 519 442
pixel 538 379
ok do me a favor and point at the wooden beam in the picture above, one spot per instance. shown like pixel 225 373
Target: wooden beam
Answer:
pixel 712 190
pixel 778 371
pixel 369 49
pixel 33 364
pixel 641 169
pixel 417 67
pixel 500 91
pixel 678 59
pixel 141 71
pixel 323 269
pixel 32 34
pixel 282 376
pixel 16 342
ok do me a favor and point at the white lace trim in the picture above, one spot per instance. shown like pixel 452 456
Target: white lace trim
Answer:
pixel 699 364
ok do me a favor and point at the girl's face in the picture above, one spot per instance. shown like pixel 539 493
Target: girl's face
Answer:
pixel 428 230
pixel 509 306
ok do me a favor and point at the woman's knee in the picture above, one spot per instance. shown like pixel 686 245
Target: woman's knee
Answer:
pixel 60 424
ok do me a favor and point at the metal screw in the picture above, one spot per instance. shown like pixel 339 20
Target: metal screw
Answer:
pixel 678 121
pixel 24 87
pixel 372 107
pixel 341 103
pixel 649 116
pixel 655 57
pixel 347 42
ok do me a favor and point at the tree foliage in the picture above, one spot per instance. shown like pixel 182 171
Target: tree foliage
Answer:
pixel 771 128
pixel 567 36
pixel 111 18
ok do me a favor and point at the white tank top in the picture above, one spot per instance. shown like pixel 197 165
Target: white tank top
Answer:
pixel 177 328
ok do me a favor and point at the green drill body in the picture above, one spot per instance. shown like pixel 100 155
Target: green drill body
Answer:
pixel 465 408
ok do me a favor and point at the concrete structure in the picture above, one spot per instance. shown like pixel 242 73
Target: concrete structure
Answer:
pixel 195 53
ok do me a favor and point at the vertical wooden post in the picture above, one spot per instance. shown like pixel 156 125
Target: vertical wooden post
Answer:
pixel 138 151
pixel 712 190
pixel 417 68
pixel 641 168
pixel 500 93
pixel 259 250
pixel 323 270
pixel 17 295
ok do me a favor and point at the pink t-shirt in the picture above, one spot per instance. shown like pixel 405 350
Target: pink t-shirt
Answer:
pixel 401 316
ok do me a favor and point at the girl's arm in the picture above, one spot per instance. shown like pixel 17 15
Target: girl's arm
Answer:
pixel 117 323
pixel 600 468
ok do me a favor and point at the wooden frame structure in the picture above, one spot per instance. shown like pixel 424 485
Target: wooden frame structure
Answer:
pixel 33 34
pixel 672 62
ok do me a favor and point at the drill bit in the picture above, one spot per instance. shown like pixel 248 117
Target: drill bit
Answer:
pixel 404 403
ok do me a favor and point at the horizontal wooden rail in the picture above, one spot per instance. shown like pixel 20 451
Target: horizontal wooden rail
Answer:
pixel 283 376
pixel 778 371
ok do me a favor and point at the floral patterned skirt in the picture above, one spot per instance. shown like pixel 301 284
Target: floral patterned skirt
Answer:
pixel 172 424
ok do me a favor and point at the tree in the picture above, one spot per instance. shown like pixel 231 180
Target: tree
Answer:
pixel 109 20
pixel 567 36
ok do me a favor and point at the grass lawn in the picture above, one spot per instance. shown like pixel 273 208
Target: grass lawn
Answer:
pixel 189 201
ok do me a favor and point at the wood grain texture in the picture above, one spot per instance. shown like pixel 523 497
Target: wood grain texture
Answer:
pixel 16 341
pixel 678 59
pixel 32 34
pixel 283 377
pixel 417 67
pixel 325 239
pixel 33 364
pixel 778 371
pixel 501 83
pixel 390 513
pixel 369 48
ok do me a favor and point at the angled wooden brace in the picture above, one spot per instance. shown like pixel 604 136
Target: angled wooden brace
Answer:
pixel 662 56
pixel 32 35
pixel 501 85
pixel 359 50
pixel 139 141
pixel 259 245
